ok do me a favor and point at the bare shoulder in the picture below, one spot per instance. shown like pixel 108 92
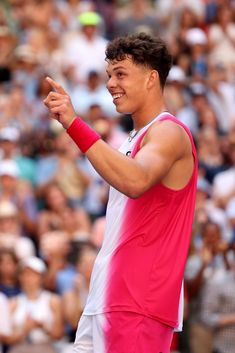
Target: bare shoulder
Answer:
pixel 169 133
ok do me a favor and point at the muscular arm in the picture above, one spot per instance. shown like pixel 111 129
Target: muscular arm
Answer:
pixel 164 144
pixel 161 148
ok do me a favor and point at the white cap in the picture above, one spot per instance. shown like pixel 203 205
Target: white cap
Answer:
pixel 7 209
pixel 34 263
pixel 176 74
pixel 196 36
pixel 9 133
pixel 9 167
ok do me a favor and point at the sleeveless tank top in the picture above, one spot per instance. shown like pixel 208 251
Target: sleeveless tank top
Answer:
pixel 140 267
pixel 39 310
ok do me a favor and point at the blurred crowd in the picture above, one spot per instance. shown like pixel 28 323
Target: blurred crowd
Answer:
pixel 52 201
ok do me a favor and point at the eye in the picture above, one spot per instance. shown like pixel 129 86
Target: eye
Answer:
pixel 120 74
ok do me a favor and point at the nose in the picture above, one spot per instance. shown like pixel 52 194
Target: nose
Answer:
pixel 111 83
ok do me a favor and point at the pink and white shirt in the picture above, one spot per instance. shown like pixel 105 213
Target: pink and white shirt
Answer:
pixel 140 266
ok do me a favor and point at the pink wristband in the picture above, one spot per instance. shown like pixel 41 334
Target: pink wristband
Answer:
pixel 82 134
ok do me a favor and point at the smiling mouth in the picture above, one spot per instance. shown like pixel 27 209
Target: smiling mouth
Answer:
pixel 117 96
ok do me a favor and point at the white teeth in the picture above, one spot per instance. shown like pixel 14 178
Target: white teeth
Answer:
pixel 118 95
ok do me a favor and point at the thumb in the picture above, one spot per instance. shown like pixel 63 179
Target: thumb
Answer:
pixel 56 86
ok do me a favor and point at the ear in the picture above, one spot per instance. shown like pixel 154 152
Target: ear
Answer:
pixel 153 80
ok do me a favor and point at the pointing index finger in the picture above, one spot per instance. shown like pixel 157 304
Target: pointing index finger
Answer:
pixel 56 86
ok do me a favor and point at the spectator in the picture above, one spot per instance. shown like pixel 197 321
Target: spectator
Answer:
pixel 25 67
pixel 137 17
pixel 8 273
pixel 190 113
pixel 79 51
pixel 175 91
pixel 205 264
pixel 221 96
pixel 36 313
pixel 197 41
pixel 222 39
pixel 60 215
pixel 11 149
pixel 10 231
pixel 55 247
pixel 171 14
pixel 20 193
pixel 63 167
pixel 77 295
pixel 218 312
pixel 17 112
pixel 210 154
pixel 93 92
pixel 69 11
pixel 74 299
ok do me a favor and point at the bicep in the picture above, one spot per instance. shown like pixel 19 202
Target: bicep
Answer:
pixel 161 148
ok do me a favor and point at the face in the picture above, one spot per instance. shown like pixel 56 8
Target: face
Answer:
pixel 212 236
pixel 7 146
pixel 55 198
pixel 8 183
pixel 89 31
pixel 129 85
pixel 30 279
pixel 8 266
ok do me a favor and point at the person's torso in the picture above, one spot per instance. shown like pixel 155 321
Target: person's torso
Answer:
pixel 141 263
pixel 38 310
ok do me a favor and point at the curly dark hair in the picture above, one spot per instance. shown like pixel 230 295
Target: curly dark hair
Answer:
pixel 145 50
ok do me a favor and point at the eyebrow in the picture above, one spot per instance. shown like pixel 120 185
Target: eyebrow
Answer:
pixel 117 68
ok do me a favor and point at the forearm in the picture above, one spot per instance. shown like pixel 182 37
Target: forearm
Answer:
pixel 123 173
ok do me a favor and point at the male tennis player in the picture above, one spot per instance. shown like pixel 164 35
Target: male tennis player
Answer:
pixel 135 299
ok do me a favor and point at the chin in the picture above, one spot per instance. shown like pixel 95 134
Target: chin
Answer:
pixel 122 110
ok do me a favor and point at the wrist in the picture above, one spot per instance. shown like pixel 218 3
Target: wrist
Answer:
pixel 67 124
pixel 82 134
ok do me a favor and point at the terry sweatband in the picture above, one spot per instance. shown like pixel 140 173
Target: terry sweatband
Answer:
pixel 82 134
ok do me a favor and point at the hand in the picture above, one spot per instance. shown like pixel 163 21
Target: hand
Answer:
pixel 59 104
pixel 29 325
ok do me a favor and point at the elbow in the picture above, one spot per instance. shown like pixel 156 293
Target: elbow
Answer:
pixel 135 190
pixel 134 186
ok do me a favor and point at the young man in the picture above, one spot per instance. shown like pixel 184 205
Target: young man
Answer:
pixel 134 301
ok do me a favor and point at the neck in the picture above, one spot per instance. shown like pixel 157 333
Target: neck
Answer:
pixel 33 293
pixel 143 120
pixel 8 281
